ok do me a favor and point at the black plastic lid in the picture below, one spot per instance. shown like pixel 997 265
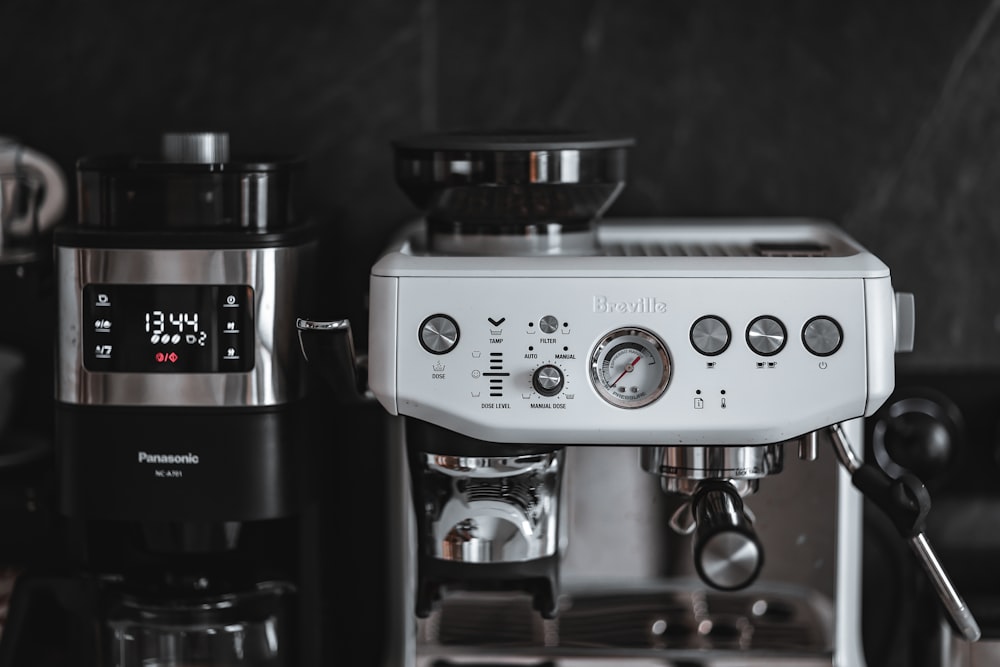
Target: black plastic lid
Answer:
pixel 193 185
pixel 512 140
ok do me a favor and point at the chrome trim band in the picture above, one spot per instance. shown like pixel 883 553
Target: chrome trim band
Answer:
pixel 274 273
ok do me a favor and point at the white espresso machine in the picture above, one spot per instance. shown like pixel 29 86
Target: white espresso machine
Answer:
pixel 621 441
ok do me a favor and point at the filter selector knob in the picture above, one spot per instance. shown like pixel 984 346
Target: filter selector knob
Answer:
pixel 548 380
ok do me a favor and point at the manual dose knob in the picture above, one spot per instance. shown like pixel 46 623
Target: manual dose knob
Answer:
pixel 548 380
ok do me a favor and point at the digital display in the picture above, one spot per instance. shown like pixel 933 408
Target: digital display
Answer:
pixel 168 328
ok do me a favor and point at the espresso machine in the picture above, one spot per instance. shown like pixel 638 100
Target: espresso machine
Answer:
pixel 621 441
pixel 185 505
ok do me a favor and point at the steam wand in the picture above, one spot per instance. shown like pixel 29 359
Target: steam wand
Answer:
pixel 906 502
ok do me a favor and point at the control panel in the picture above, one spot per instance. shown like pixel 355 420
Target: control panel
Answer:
pixel 168 328
pixel 683 360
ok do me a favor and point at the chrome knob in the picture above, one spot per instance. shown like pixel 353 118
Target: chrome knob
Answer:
pixel 548 380
pixel 766 335
pixel 439 334
pixel 727 553
pixel 822 336
pixel 548 324
pixel 710 335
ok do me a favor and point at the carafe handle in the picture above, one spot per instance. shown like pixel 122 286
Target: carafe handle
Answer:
pixel 14 158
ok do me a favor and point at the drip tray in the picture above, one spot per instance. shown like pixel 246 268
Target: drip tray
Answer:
pixel 662 626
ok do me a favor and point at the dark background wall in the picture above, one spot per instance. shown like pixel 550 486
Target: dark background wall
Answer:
pixel 881 116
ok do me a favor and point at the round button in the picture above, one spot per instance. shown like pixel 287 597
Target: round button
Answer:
pixel 548 324
pixel 547 380
pixel 822 336
pixel 438 334
pixel 710 335
pixel 766 335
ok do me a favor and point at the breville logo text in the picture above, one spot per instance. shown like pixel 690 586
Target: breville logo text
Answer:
pixel 168 458
pixel 643 304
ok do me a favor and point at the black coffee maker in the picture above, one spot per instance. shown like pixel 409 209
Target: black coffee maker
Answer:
pixel 183 494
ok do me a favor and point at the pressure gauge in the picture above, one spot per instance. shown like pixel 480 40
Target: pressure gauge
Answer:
pixel 630 367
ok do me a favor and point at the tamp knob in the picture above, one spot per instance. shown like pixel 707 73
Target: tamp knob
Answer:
pixel 727 553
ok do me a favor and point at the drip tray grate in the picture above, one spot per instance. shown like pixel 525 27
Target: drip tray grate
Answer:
pixel 672 620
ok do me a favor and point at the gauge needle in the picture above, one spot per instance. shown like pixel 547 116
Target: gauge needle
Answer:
pixel 628 367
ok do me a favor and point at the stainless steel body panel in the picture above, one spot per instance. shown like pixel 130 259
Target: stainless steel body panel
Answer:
pixel 276 377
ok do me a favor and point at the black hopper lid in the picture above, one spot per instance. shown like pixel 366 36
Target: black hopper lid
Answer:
pixel 524 183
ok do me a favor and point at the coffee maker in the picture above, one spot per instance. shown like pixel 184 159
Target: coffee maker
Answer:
pixel 591 419
pixel 185 504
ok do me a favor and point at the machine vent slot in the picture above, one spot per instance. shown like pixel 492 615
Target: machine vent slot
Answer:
pixel 794 249
pixel 678 250
pixel 800 249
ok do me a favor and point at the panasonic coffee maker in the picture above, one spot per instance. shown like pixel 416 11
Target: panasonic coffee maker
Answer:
pixel 621 441
pixel 181 426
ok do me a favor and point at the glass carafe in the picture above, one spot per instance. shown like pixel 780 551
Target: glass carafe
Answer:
pixel 213 630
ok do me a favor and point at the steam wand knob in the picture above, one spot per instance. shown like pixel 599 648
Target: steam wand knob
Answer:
pixel 727 553
pixel 906 502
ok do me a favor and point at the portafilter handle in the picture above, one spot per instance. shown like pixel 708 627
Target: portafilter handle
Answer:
pixel 906 502
pixel 727 552
pixel 328 347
